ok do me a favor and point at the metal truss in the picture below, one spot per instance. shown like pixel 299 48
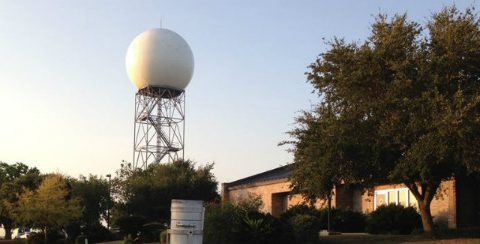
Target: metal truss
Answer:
pixel 159 126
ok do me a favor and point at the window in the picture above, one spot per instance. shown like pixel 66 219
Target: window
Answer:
pixel 403 197
pixel 279 203
pixel 411 200
pixel 400 196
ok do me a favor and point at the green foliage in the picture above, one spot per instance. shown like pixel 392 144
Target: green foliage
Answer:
pixel 298 210
pixel 260 228
pixel 231 224
pixel 96 233
pixel 80 239
pixel 128 240
pixel 163 236
pixel 393 219
pixel 14 178
pixel 35 238
pixel 402 106
pixel 305 227
pixel 221 223
pixel 50 207
pixel 131 225
pixel 145 196
pixel 307 221
pixel 348 221
pixel 252 203
pixel 93 193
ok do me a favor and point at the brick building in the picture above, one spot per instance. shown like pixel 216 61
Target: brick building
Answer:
pixel 456 204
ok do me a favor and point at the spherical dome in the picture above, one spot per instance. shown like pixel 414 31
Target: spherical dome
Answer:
pixel 159 58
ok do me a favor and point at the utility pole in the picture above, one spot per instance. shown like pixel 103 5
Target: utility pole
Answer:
pixel 109 176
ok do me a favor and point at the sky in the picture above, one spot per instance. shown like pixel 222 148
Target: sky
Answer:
pixel 66 104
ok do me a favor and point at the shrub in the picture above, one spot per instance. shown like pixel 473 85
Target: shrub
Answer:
pixel 131 225
pixel 305 222
pixel 299 209
pixel 35 238
pixel 393 219
pixel 349 221
pixel 340 220
pixel 63 241
pixel 96 233
pixel 305 227
pixel 231 224
pixel 221 223
pixel 163 236
pixel 80 239
pixel 260 228
pixel 128 240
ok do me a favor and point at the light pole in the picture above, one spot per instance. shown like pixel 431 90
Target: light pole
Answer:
pixel 109 176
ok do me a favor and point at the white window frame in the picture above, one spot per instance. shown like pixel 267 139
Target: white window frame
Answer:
pixel 387 200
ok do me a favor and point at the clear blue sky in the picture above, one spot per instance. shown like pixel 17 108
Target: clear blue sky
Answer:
pixel 67 105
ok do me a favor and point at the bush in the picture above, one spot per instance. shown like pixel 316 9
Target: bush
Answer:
pixel 305 222
pixel 393 219
pixel 221 223
pixel 35 238
pixel 260 228
pixel 163 236
pixel 96 233
pixel 63 241
pixel 349 221
pixel 80 239
pixel 131 225
pixel 305 228
pixel 317 219
pixel 230 224
pixel 342 220
pixel 299 209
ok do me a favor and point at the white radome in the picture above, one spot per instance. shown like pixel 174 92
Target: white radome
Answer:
pixel 159 58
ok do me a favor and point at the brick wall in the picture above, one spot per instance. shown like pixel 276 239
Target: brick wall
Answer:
pixel 443 206
pixel 268 192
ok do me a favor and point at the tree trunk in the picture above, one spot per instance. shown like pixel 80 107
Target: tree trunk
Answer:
pixel 8 232
pixel 427 220
pixel 424 199
pixel 328 212
pixel 45 233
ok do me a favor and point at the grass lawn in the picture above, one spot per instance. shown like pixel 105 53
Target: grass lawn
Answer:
pixel 392 239
pixel 12 241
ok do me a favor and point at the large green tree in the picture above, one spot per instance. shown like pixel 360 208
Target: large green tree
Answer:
pixel 93 193
pixel 48 207
pixel 145 195
pixel 402 106
pixel 14 178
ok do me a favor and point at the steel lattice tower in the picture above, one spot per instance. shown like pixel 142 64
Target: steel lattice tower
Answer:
pixel 159 126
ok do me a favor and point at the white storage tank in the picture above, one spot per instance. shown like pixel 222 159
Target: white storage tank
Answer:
pixel 186 226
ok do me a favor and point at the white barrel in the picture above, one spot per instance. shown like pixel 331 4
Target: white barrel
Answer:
pixel 186 226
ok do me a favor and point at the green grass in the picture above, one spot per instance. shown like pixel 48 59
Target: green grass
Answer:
pixel 392 239
pixel 12 241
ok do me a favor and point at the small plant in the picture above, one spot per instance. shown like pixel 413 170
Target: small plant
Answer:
pixel 163 236
pixel 128 239
pixel 393 219
pixel 80 239
pixel 35 238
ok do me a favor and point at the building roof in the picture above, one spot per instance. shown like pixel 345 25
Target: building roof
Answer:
pixel 274 174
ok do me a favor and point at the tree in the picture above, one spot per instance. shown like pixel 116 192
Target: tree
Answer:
pixel 402 106
pixel 93 194
pixel 145 196
pixel 14 178
pixel 50 206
